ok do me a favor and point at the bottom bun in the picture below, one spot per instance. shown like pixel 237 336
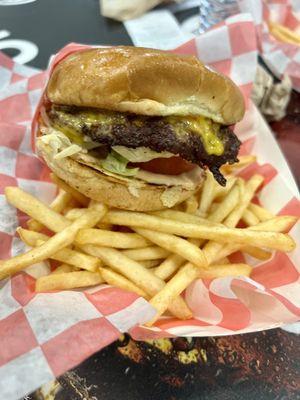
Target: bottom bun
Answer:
pixel 111 191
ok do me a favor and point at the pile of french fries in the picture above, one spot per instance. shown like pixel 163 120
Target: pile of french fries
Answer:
pixel 156 255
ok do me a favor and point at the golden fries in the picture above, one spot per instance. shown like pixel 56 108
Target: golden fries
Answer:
pixel 277 224
pixel 36 209
pixel 66 255
pixel 169 266
pixel 51 246
pixel 63 268
pixel 220 270
pixel 138 274
pixel 183 217
pixel 250 218
pixel 58 204
pixel 83 200
pixel 191 204
pixel 221 191
pixel 256 252
pixel 31 237
pixel 176 245
pixel 226 206
pixel 189 272
pixel 69 280
pixel 115 279
pixel 147 253
pixel 151 263
pixel 173 289
pixel 74 213
pixel 223 261
pixel 186 275
pixel 207 194
pixel 107 238
pixel 273 240
pixel 165 250
pixel 261 213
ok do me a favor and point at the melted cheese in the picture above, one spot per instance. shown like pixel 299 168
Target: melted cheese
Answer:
pixel 206 128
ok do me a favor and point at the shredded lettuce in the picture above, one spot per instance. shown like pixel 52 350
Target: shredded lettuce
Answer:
pixel 140 154
pixel 68 151
pixel 63 146
pixel 117 164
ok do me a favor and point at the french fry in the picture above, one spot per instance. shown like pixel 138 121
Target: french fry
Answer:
pixel 222 234
pixel 221 191
pixel 281 223
pixel 261 213
pixel 147 253
pixel 277 224
pixel 173 289
pixel 74 213
pixel 115 279
pixel 138 274
pixel 31 237
pixel 83 200
pixel 51 246
pixel 36 209
pixel 226 206
pixel 251 187
pixel 191 204
pixel 169 266
pixel 183 217
pixel 69 280
pixel 176 245
pixel 151 263
pixel 58 204
pixel 244 161
pixel 65 255
pixel 221 270
pixel 223 261
pixel 62 269
pixel 213 207
pixel 119 240
pixel 283 33
pixel 250 218
pixel 77 259
pixel 256 252
pixel 207 194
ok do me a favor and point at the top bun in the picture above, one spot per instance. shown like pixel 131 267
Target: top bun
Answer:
pixel 144 81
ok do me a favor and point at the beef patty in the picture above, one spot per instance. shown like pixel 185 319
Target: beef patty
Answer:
pixel 156 133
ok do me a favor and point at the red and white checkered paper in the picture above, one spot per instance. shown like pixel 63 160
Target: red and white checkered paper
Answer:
pixel 282 58
pixel 44 335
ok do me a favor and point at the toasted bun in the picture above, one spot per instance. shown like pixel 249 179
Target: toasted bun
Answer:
pixel 109 190
pixel 145 81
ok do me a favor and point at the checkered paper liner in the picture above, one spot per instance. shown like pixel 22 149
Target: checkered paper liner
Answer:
pixel 282 58
pixel 44 335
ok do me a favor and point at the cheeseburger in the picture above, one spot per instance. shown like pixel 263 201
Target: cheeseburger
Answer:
pixel 136 128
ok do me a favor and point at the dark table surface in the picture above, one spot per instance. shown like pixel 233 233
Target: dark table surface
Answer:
pixel 264 365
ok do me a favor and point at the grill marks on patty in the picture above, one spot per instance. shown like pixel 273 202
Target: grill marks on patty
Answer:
pixel 156 134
